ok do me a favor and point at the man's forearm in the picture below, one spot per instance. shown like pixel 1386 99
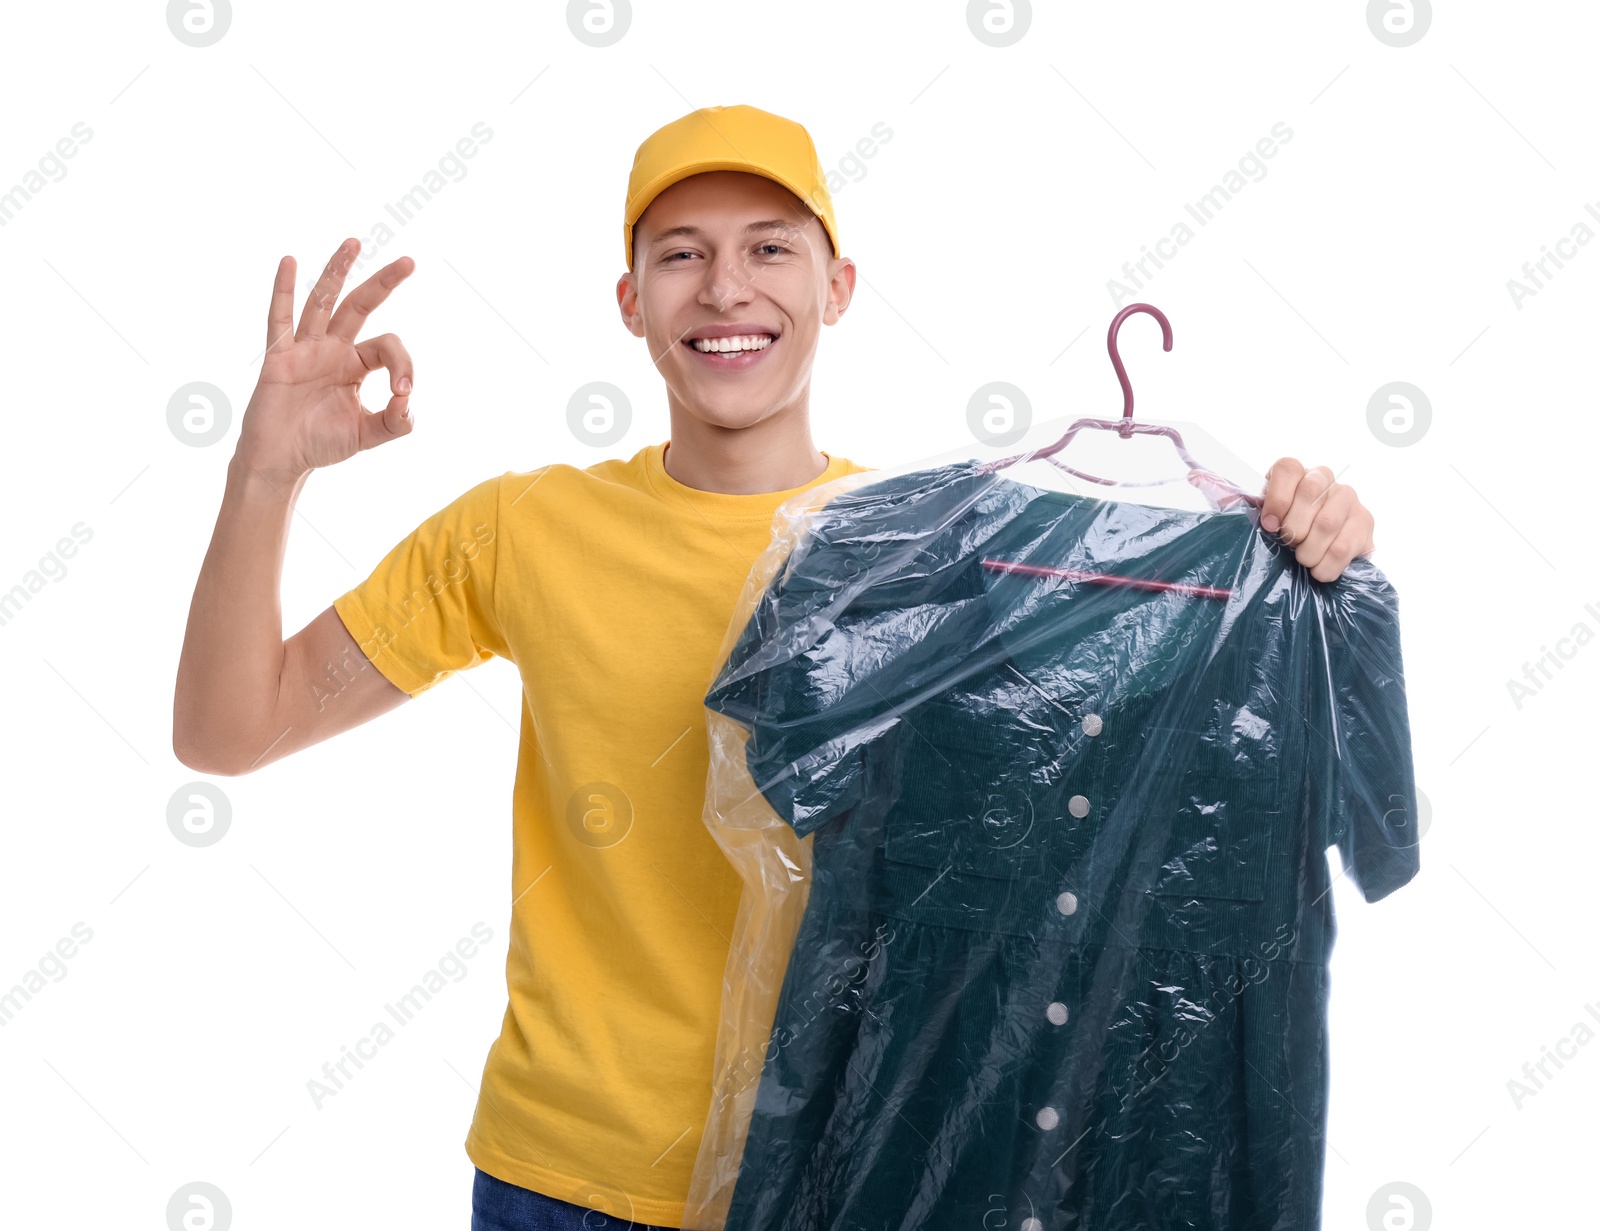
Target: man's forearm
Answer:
pixel 232 662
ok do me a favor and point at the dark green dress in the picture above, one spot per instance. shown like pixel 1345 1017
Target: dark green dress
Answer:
pixel 1064 963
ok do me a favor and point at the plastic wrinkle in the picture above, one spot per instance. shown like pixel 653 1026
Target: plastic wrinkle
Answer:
pixel 1037 905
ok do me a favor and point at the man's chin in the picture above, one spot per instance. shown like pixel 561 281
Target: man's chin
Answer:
pixel 728 413
pixel 727 403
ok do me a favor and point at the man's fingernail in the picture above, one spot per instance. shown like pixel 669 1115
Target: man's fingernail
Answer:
pixel 403 385
pixel 1270 522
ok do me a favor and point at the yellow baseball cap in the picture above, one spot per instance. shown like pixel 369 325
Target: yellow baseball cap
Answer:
pixel 737 138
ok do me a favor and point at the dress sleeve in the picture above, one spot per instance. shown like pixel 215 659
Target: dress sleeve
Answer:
pixel 854 628
pixel 1360 732
pixel 427 609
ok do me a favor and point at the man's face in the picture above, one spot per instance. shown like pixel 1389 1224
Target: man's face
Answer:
pixel 732 260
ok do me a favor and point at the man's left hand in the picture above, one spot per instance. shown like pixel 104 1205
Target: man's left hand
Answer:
pixel 1320 518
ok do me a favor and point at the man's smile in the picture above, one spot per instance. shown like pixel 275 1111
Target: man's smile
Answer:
pixel 722 348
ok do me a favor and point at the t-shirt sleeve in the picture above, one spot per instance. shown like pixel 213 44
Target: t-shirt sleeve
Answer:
pixel 427 610
pixel 864 619
pixel 798 681
pixel 1360 731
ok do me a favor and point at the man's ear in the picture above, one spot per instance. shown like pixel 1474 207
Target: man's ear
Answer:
pixel 628 303
pixel 841 286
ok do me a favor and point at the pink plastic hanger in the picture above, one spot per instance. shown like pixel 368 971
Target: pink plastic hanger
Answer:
pixel 1126 428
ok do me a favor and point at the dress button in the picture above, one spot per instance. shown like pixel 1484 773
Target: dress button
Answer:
pixel 1092 724
pixel 1066 903
pixel 1057 1013
pixel 1047 1118
pixel 1032 1224
pixel 1078 805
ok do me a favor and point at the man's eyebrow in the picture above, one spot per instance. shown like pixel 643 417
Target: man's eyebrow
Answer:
pixel 687 231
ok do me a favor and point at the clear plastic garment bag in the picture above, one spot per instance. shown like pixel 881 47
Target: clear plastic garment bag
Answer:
pixel 1031 778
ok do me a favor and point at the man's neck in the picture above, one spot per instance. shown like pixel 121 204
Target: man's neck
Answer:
pixel 769 456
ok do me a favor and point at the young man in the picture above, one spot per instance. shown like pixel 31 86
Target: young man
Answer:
pixel 611 588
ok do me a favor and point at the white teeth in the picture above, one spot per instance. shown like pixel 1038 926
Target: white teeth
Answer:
pixel 758 341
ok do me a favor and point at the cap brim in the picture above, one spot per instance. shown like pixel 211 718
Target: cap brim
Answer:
pixel 641 200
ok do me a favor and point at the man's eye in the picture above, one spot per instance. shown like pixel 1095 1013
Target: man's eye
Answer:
pixel 775 247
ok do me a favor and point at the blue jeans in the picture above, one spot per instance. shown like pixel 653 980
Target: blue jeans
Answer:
pixel 499 1206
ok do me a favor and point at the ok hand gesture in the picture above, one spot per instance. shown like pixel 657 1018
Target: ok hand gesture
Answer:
pixel 306 409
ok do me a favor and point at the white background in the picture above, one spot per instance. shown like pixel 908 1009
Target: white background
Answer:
pixel 1377 247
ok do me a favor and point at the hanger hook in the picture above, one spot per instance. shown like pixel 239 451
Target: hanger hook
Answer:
pixel 1116 359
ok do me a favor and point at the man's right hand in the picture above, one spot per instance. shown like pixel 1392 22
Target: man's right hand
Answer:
pixel 245 696
pixel 306 409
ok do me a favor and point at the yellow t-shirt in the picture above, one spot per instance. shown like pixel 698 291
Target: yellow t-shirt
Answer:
pixel 611 588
